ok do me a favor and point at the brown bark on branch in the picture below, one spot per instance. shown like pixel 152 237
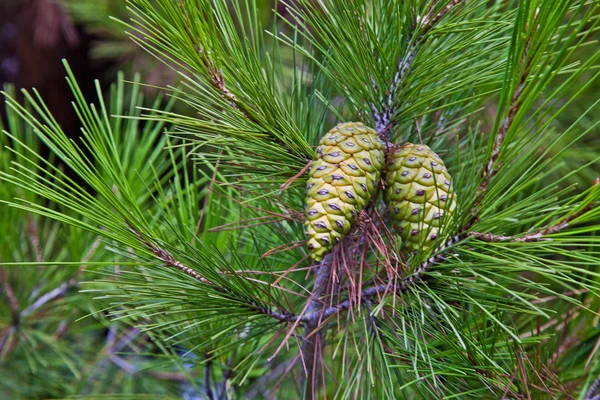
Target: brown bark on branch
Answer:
pixel 313 341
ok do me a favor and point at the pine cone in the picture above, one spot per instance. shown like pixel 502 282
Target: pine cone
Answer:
pixel 419 195
pixel 343 178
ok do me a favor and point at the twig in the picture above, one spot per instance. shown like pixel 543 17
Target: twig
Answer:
pixel 168 260
pixel 215 75
pixel 312 340
pixel 34 238
pixel 418 127
pixel 4 340
pixel 490 169
pixel 263 384
pixel 428 24
pixel 166 257
pixel 207 379
pixel 168 376
pixel 375 331
pixel 217 80
pixel 52 295
pixel 13 302
pixel 227 372
pixel 122 363
pixel 383 117
pixel 206 200
pixel 243 224
pixel 368 294
pixel 53 23
pixel 282 248
pixel 112 347
pixel 537 235
pixel 89 255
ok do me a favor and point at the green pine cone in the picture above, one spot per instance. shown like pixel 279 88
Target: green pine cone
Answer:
pixel 419 195
pixel 343 178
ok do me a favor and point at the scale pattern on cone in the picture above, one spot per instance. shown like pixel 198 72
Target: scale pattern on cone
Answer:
pixel 343 178
pixel 419 195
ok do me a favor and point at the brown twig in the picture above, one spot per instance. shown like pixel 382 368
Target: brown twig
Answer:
pixel 207 379
pixel 490 169
pixel 248 223
pixel 379 290
pixel 206 200
pixel 537 235
pixel 313 340
pixel 13 302
pixel 34 238
pixel 168 376
pixel 89 255
pixel 383 117
pixel 52 295
pixel 282 248
pixel 168 260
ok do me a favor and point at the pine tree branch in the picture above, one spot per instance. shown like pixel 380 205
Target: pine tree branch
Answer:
pixel 34 238
pixel 539 234
pixel 263 385
pixel 215 75
pixel 533 236
pixel 491 169
pixel 52 295
pixel 216 78
pixel 208 379
pixel 383 123
pixel 376 291
pixel 168 260
pixel 312 342
pixel 13 302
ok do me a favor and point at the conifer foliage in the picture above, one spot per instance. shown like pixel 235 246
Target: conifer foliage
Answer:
pixel 494 296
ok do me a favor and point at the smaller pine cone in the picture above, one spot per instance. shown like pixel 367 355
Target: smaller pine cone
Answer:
pixel 343 178
pixel 419 195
